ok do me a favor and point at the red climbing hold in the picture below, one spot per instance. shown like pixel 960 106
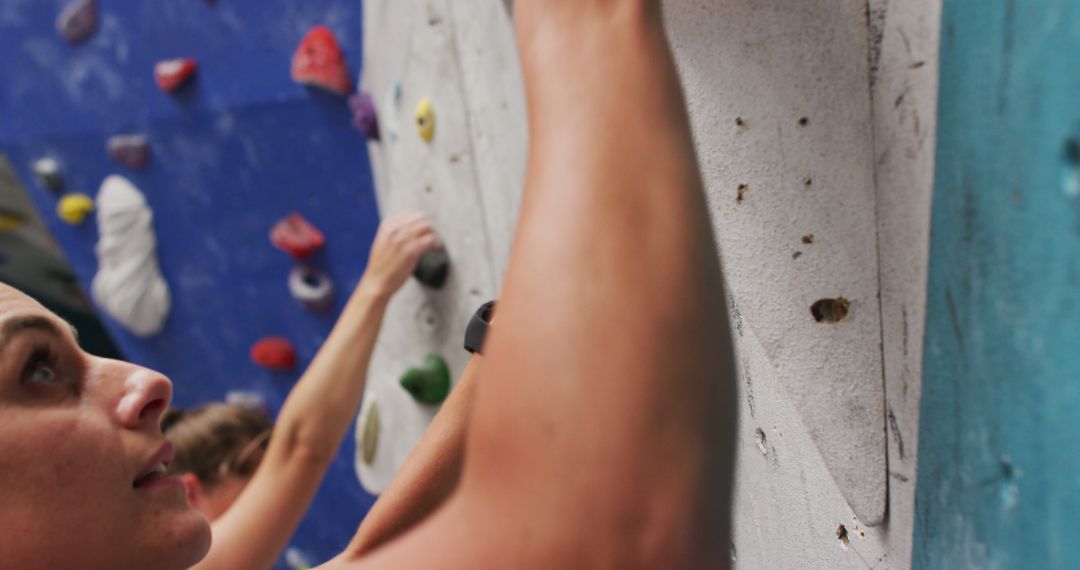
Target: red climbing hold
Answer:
pixel 297 236
pixel 170 74
pixel 274 353
pixel 318 62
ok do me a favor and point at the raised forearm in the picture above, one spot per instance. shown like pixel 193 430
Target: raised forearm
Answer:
pixel 621 358
pixel 324 401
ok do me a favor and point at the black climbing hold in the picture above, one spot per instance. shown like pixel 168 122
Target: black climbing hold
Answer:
pixel 433 268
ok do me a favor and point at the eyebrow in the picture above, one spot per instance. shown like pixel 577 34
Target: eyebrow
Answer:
pixel 17 325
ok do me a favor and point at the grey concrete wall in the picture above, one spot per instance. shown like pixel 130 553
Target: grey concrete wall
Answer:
pixel 820 115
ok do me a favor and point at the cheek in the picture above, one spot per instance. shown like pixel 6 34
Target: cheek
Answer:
pixel 61 475
pixel 61 460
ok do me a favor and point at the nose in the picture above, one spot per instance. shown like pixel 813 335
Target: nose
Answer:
pixel 146 396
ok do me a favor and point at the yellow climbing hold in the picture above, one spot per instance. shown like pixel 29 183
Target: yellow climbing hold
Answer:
pixel 370 437
pixel 73 208
pixel 425 119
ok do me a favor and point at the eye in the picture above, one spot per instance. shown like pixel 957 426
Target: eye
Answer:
pixel 41 367
pixel 43 374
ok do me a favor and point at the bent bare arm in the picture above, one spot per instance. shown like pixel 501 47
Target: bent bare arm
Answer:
pixel 602 429
pixel 318 411
pixel 429 475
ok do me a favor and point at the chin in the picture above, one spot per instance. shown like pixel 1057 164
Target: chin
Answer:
pixel 188 542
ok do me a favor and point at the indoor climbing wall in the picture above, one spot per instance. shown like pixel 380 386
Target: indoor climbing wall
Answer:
pixel 444 80
pixel 162 144
pixel 814 123
pixel 815 127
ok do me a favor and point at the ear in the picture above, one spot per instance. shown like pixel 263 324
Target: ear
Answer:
pixel 195 493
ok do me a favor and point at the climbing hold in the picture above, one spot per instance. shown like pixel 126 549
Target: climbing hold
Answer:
pixel 425 119
pixel 319 62
pixel 133 151
pixel 432 268
pixel 73 208
pixel 364 116
pixel 430 383
pixel 369 439
pixel 312 288
pixel 128 284
pixel 274 353
pixel 47 171
pixel 11 220
pixel 247 399
pixel 171 74
pixel 297 236
pixel 296 560
pixel 77 21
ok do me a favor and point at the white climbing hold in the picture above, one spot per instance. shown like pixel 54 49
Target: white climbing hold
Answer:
pixel 312 288
pixel 128 284
pixel 247 399
pixel 47 171
pixel 296 560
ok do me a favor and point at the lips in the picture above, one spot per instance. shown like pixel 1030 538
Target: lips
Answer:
pixel 155 468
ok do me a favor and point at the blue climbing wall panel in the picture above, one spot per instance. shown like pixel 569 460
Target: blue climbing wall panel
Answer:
pixel 999 471
pixel 233 153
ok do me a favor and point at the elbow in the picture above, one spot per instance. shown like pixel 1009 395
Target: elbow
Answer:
pixel 297 447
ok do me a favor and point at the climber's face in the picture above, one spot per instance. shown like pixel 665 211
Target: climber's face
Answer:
pixel 81 455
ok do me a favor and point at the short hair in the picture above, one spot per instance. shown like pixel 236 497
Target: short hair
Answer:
pixel 215 440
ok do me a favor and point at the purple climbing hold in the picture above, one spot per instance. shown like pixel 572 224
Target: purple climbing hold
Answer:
pixel 364 116
pixel 133 151
pixel 78 21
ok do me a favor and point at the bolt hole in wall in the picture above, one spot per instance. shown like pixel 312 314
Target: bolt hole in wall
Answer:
pixel 830 310
pixel 842 536
pixel 761 441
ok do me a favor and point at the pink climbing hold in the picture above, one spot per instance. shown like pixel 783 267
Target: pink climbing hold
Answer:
pixel 297 236
pixel 133 151
pixel 171 74
pixel 319 62
pixel 77 21
pixel 364 115
pixel 274 353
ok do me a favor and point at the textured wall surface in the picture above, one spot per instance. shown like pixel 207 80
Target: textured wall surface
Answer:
pixel 829 411
pixel 461 56
pixel 998 484
pixel 812 472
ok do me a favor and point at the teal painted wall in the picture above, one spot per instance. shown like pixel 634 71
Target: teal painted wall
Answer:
pixel 999 463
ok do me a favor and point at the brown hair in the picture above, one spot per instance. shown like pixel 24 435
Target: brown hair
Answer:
pixel 216 440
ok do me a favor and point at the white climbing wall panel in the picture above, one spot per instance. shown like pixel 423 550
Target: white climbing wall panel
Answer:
pixel 468 179
pixel 836 205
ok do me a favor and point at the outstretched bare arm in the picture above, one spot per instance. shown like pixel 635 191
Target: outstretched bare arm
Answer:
pixel 256 528
pixel 602 429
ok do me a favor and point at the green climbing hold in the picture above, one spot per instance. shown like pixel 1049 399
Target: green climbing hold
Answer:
pixel 430 383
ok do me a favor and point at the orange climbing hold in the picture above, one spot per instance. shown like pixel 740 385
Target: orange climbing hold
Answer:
pixel 319 62
pixel 171 74
pixel 274 353
pixel 297 236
